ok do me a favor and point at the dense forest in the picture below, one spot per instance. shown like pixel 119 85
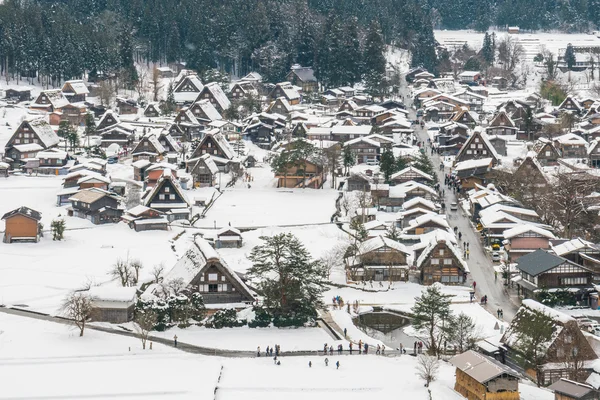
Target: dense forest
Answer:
pixel 62 39
pixel 59 40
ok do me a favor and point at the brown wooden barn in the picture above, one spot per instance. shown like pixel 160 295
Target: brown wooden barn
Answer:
pixel 22 224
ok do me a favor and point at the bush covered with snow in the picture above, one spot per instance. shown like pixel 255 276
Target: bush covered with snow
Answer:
pixel 225 319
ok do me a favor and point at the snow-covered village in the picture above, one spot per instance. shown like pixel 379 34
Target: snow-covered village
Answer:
pixel 344 206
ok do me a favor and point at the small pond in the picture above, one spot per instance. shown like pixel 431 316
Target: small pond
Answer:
pixel 386 327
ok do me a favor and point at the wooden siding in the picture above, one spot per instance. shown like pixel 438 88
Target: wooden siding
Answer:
pixel 20 226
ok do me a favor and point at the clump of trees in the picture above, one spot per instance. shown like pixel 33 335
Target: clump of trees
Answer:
pixel 57 227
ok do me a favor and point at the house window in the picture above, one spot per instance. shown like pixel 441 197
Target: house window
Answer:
pixel 17 141
pixel 469 152
pixel 171 197
pixel 209 144
pixel 480 146
pixel 167 189
pixel 574 281
pixel 223 279
pixel 203 151
pixel 213 277
pixel 548 153
pixel 447 261
pixel 213 288
pixel 441 252
pixel 215 152
pixel 161 196
pixel 473 146
pixel 435 261
pixel 476 140
pixel 484 151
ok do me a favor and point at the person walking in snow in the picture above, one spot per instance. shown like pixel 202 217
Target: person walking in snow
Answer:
pixel 310 364
pixel 325 349
pixel 337 365
pixel 346 330
pixel 366 348
pixel 360 346
pixel 340 349
pixel 330 350
pixel 326 361
pixel 267 352
pixel 383 349
pixel 258 351
pixel 378 351
pixel 350 345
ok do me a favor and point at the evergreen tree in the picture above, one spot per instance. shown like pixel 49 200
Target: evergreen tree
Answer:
pixel 424 164
pixel 349 158
pixel 169 105
pixel 393 233
pixel 472 64
pixel 432 316
pixel 57 227
pixel 387 164
pixel 374 56
pixel 488 51
pixel 305 37
pixel 290 282
pixel 570 56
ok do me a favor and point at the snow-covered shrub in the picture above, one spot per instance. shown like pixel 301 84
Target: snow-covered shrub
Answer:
pixel 262 318
pixel 225 319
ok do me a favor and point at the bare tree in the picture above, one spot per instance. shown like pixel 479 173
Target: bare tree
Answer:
pixel 77 306
pixel 157 272
pixel 155 82
pixel 427 368
pixel 136 265
pixel 122 270
pixel 145 321
pixel 333 258
pixel 106 92
pixel 175 286
pixel 510 53
pixel 140 84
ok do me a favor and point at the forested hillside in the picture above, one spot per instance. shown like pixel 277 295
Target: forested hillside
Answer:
pixel 61 39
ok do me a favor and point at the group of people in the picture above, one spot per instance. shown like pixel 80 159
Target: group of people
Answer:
pixel 500 313
pixel 269 351
pixel 338 302
pixel 418 347
pixel 337 363
pixel 452 182
pixel 248 177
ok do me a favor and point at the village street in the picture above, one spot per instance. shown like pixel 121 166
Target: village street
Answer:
pixel 479 261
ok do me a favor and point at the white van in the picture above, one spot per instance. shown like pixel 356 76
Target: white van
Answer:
pixel 453 206
pixel 372 162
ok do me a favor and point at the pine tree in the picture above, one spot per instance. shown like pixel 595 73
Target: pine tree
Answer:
pixel 290 282
pixel 57 227
pixel 432 316
pixel 570 56
pixel 387 164
pixel 169 105
pixel 349 158
pixel 375 62
pixel 487 51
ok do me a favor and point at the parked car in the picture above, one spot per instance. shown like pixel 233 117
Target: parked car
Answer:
pixel 453 206
pixel 112 160
pixel 594 327
pixel 496 256
pixel 372 162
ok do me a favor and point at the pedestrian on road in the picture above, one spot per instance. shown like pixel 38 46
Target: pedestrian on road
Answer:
pixel 468 253
pixel 360 346
pixel 465 254
pixel 502 313
pixel 459 235
pixel 337 365
pixel 326 361
pixel 467 245
pixel 310 364
pixel 378 350
pixel 498 312
pixel 383 349
pixel 415 349
pixel 330 350
pixel 267 352
pixel 366 348
pixel 175 340
pixel 496 275
pixel 350 345
pixel 258 351
pixel 346 330
pixel 474 285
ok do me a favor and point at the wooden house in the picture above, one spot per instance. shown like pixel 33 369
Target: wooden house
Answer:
pixel 571 145
pixel 427 223
pixel 228 237
pixel 165 72
pixel 286 90
pixel 142 218
pixel 472 172
pixel 187 89
pixel 500 82
pixel 557 353
pixel 214 93
pixel 75 90
pixel 378 259
pixel 260 133
pixel 49 101
pixel 501 124
pixel 530 172
pixel 469 77
pixel 96 205
pixel 203 270
pixel 593 154
pixel 243 89
pixel 205 112
pixel 303 77
pixel 127 106
pixel 570 103
pixel 479 377
pixel 441 261
pixel 565 389
pixel 112 304
pixel 546 152
pixel 22 224
pixel 364 149
pixel 280 106
pixel 167 196
pixel 216 145
pixel 304 174
pixel 117 134
pixel 542 269
pixel 204 171
pixel 152 110
pixel 28 139
pixel 155 171
pixel 53 161
pixel 464 117
pixel 524 239
pixel 411 174
pixel 188 124
pixel 149 148
pixel 17 95
pixel 413 189
pixel 74 113
pixel 348 106
pixel 420 202
pixel 358 181
pixel 477 146
pixel 108 119
pixel 169 143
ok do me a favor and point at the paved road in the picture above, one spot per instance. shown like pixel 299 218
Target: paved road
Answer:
pixel 479 262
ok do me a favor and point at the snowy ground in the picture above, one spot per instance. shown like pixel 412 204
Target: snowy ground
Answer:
pixel 62 365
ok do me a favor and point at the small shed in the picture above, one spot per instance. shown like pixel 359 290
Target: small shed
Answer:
pixel 481 377
pixel 22 224
pixel 565 389
pixel 513 29
pixel 113 304
pixel 228 237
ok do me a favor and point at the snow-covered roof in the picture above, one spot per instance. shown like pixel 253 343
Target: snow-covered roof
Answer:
pixel 77 85
pixel 379 242
pixel 432 217
pixel 113 293
pixel 362 140
pixel 409 186
pixel 480 367
pixel 419 200
pixel 433 242
pixel 29 147
pixel 571 246
pixel 209 162
pixel 56 98
pixel 522 228
pixel 570 138
pixel 44 132
pixel 412 170
pixel 208 108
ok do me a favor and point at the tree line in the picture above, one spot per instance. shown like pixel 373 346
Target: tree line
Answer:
pixel 56 41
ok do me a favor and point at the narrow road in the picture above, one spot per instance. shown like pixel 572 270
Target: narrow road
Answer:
pixel 479 262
